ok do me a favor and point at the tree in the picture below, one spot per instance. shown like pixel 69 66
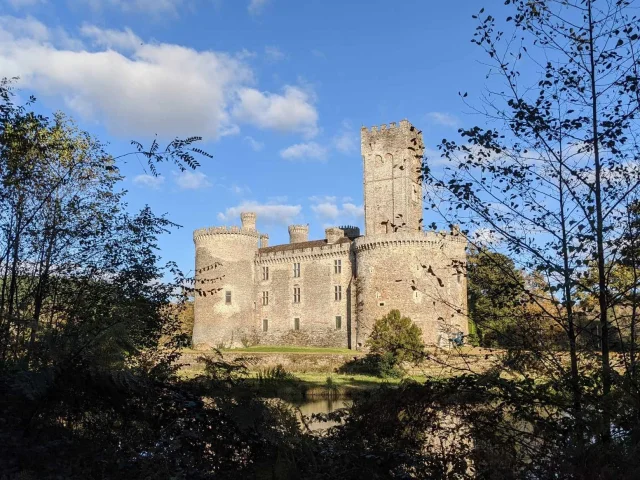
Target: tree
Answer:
pixel 397 336
pixel 494 291
pixel 549 175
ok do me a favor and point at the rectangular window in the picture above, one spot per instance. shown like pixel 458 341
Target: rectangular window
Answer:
pixel 337 292
pixel 265 325
pixel 296 324
pixel 296 294
pixel 296 270
pixel 337 266
pixel 227 297
pixel 338 323
pixel 265 273
pixel 265 298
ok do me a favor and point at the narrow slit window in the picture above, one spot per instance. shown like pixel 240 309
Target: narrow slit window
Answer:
pixel 227 297
pixel 338 322
pixel 296 323
pixel 265 325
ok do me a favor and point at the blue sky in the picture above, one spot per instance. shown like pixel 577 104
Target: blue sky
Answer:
pixel 278 88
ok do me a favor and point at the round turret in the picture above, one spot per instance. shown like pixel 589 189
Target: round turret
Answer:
pixel 248 220
pixel 351 231
pixel 421 274
pixel 333 234
pixel 224 275
pixel 298 233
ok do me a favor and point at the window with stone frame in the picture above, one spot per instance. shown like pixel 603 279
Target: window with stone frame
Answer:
pixel 338 322
pixel 337 266
pixel 296 294
pixel 337 292
pixel 265 325
pixel 296 270
pixel 265 273
pixel 227 297
pixel 296 323
pixel 265 298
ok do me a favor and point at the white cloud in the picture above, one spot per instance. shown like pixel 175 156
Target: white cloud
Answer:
pixel 304 151
pixel 149 181
pixel 346 142
pixel 323 198
pixel 136 88
pixel 353 210
pixel 124 40
pixel 144 6
pixel 255 145
pixel 318 53
pixel 326 210
pixel 24 3
pixel 443 118
pixel 256 6
pixel 273 54
pixel 268 214
pixel 292 111
pixel 192 180
pixel 240 189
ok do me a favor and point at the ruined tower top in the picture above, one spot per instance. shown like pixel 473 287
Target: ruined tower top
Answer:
pixel 392 160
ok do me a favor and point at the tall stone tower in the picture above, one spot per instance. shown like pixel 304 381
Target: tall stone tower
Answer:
pixel 392 186
pixel 400 266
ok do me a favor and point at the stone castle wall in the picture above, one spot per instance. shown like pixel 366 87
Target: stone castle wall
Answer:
pixel 414 272
pixel 391 173
pixel 224 263
pixel 395 265
pixel 318 308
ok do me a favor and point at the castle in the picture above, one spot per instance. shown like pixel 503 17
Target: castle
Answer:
pixel 329 292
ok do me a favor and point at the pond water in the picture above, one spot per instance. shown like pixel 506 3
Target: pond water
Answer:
pixel 310 406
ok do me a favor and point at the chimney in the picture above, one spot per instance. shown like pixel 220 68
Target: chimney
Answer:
pixel 248 220
pixel 333 234
pixel 264 240
pixel 298 233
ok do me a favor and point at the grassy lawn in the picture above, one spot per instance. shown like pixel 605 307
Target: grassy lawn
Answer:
pixel 291 349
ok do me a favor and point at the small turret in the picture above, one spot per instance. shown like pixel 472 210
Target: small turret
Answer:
pixel 350 231
pixel 264 240
pixel 248 220
pixel 298 233
pixel 333 234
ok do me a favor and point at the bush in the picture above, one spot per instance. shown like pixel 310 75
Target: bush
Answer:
pixel 377 365
pixel 398 336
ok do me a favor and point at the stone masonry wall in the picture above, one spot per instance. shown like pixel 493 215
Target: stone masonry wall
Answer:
pixel 225 261
pixel 414 273
pixel 391 173
pixel 317 309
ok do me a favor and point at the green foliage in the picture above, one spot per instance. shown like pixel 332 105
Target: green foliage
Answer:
pixel 495 288
pixel 398 337
pixel 382 365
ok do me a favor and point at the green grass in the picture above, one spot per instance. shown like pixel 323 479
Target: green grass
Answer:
pixel 291 349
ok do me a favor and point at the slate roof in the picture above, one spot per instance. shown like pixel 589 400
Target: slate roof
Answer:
pixel 295 246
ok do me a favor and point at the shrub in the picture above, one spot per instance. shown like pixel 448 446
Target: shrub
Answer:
pixel 378 365
pixel 398 336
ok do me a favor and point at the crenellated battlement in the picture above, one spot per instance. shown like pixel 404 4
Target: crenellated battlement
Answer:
pixel 214 231
pixel 330 291
pixel 437 240
pixel 304 253
pixel 402 126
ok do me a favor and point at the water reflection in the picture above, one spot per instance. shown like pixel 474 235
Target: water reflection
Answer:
pixel 319 405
